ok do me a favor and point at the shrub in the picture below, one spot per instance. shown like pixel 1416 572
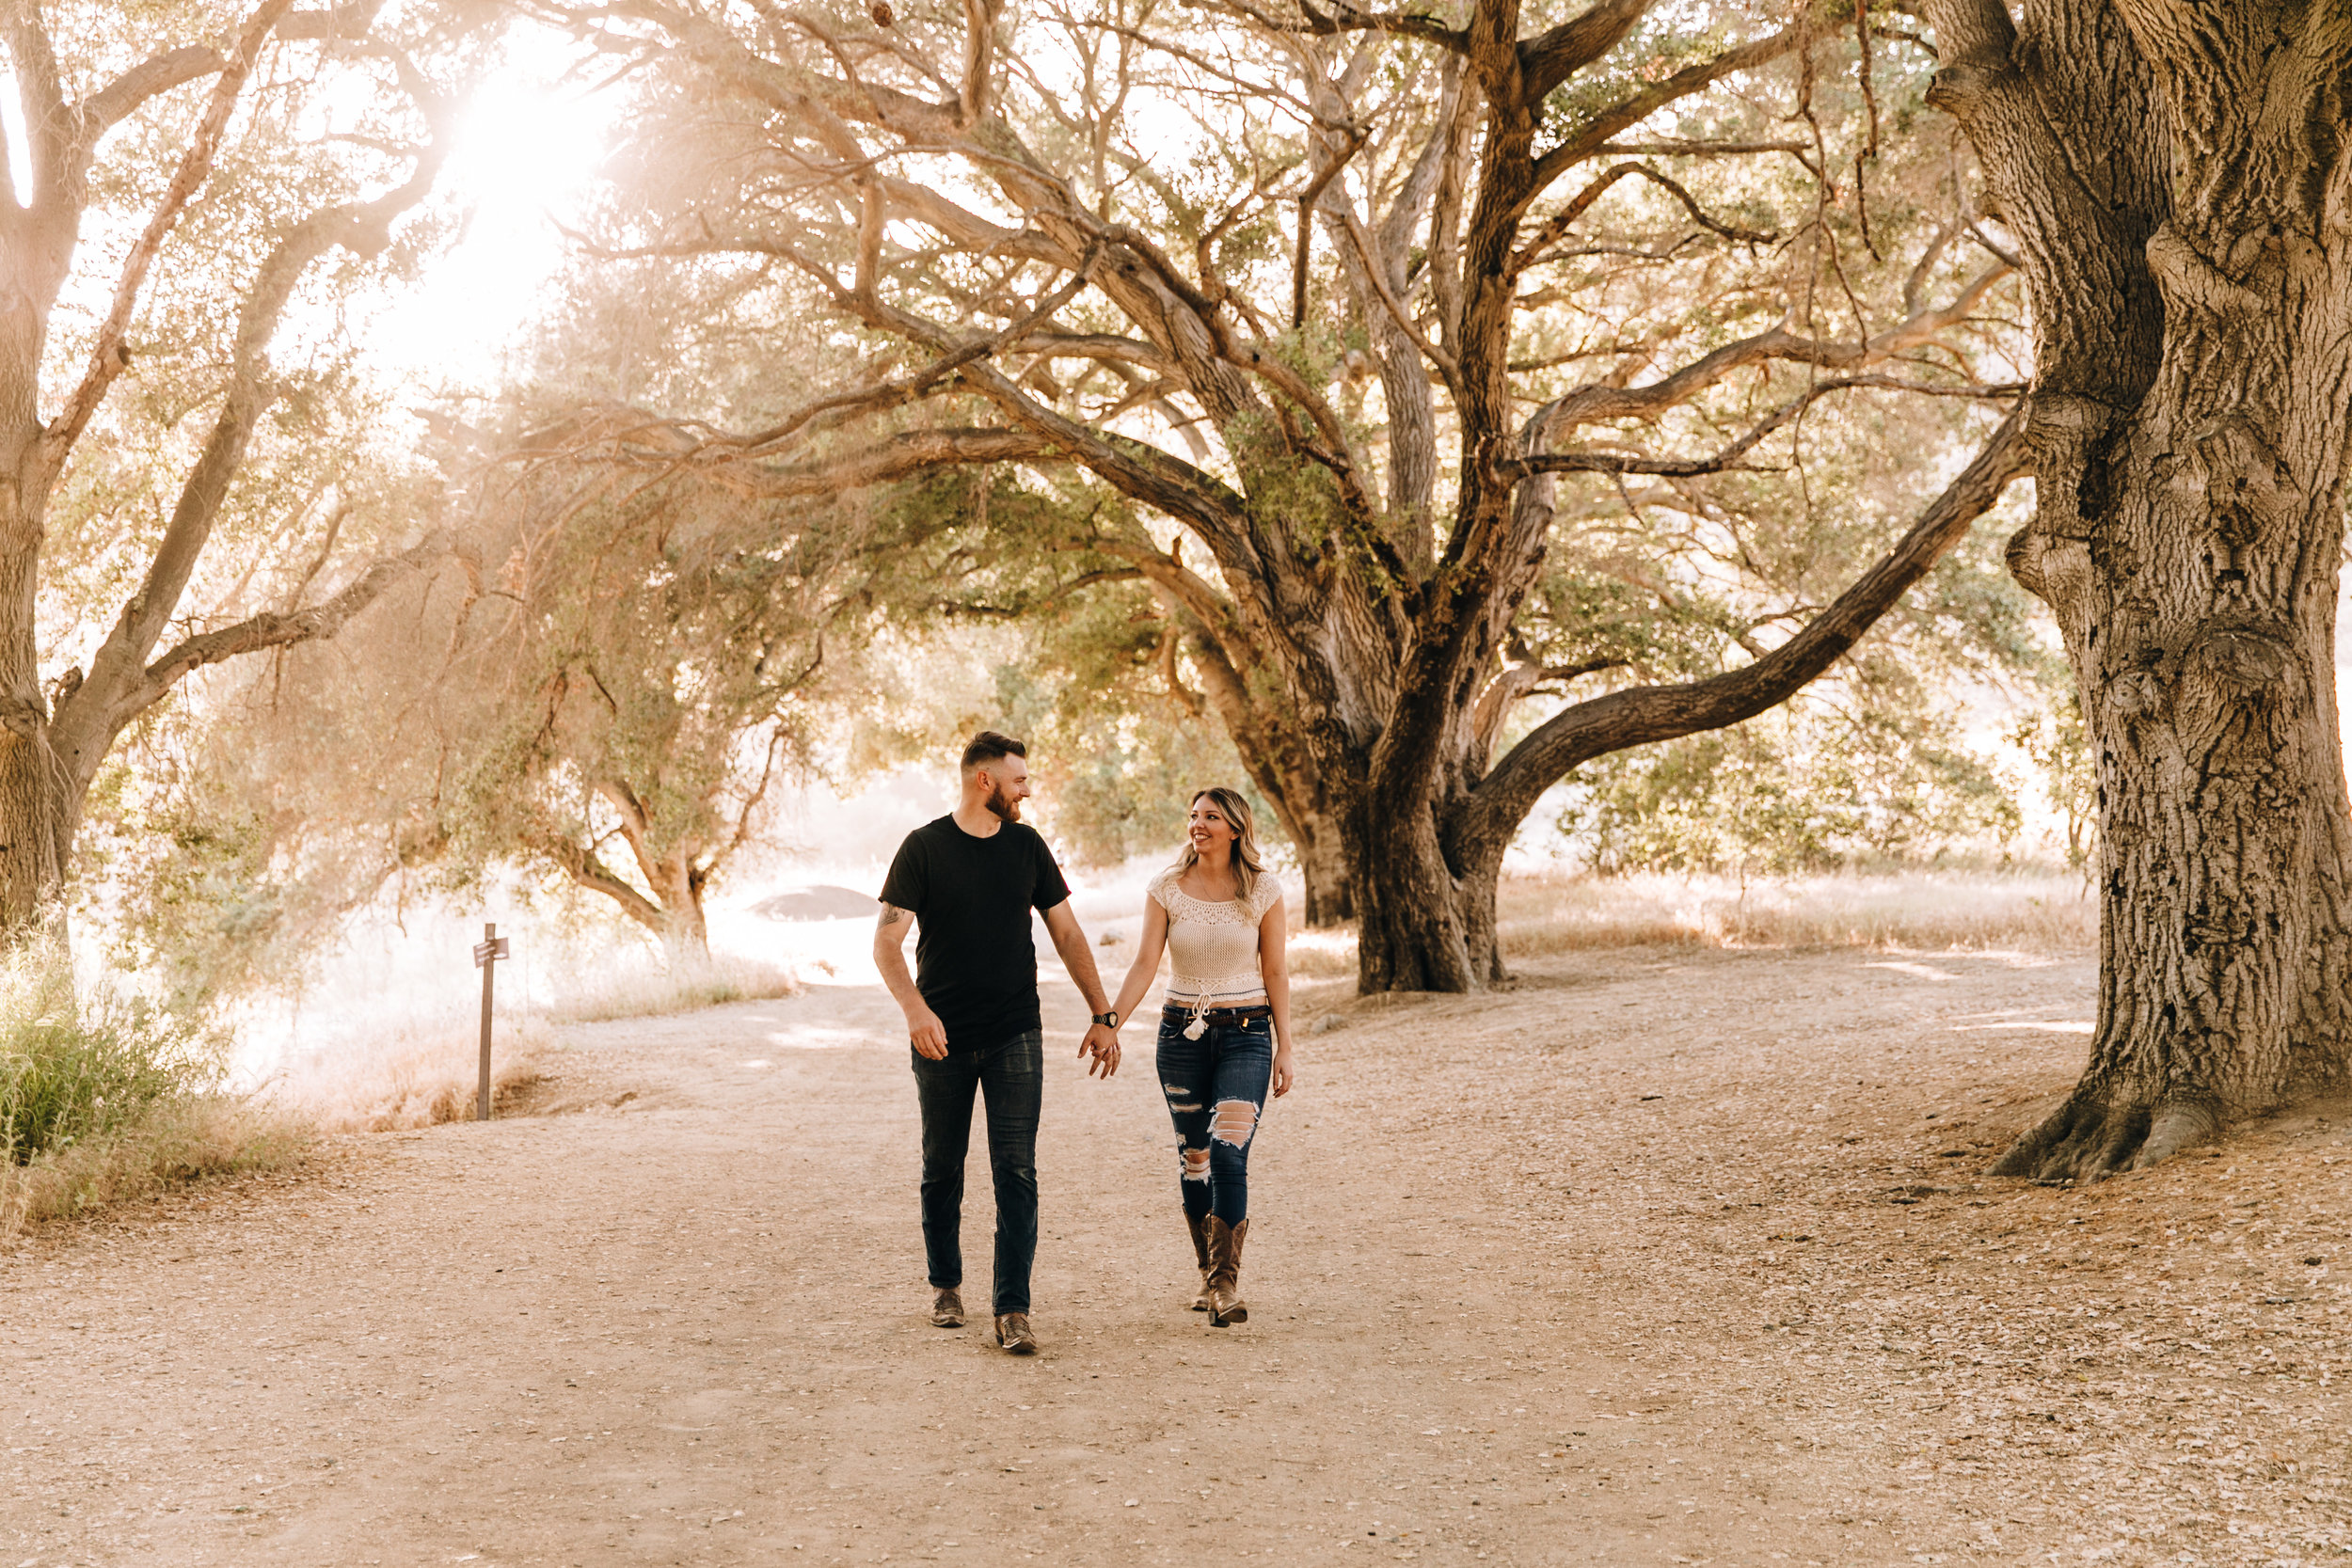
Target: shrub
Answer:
pixel 105 1098
pixel 178 1140
pixel 77 1068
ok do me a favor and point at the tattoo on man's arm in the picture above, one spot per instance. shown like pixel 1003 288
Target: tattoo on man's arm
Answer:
pixel 891 915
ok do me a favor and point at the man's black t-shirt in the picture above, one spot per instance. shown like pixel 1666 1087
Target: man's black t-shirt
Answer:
pixel 974 962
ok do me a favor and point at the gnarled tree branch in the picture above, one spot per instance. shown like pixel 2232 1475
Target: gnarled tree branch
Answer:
pixel 1641 715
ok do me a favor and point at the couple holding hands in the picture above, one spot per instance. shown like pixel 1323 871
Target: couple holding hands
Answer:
pixel 971 879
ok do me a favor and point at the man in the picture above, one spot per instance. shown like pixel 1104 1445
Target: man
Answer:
pixel 971 878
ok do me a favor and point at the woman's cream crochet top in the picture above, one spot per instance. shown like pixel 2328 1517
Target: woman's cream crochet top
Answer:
pixel 1213 947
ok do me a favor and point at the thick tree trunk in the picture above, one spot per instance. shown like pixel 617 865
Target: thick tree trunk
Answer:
pixel 1302 805
pixel 2200 611
pixel 2208 639
pixel 38 800
pixel 1474 891
pixel 1410 934
pixel 1426 879
pixel 1270 751
pixel 2189 536
pixel 685 934
pixel 1330 895
pixel 37 811
pixel 1424 922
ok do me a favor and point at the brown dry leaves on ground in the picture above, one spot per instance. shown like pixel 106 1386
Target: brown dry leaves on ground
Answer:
pixel 2149 1370
pixel 1667 1255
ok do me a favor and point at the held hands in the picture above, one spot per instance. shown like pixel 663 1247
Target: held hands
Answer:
pixel 1281 1072
pixel 926 1034
pixel 1102 1044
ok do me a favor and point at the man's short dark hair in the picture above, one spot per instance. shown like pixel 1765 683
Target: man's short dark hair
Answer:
pixel 988 746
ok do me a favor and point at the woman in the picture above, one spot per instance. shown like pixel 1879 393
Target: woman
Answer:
pixel 1225 1027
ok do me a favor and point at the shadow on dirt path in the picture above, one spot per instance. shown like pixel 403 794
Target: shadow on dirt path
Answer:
pixel 1660 1258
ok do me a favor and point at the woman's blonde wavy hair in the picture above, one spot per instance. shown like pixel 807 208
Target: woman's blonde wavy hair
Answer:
pixel 1248 869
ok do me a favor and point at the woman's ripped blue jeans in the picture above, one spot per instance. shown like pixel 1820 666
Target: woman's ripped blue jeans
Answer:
pixel 1216 1087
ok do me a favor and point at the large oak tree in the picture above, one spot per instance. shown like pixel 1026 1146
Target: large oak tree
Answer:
pixel 1089 238
pixel 2179 180
pixel 606 683
pixel 195 172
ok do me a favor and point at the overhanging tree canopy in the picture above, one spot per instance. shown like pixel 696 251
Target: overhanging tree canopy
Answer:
pixel 195 172
pixel 1077 227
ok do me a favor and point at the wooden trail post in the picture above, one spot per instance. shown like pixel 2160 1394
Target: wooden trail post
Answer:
pixel 486 953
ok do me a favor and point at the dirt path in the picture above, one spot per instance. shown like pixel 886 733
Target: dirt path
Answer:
pixel 1662 1257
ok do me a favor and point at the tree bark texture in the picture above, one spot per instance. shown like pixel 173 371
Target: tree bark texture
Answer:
pixel 2181 179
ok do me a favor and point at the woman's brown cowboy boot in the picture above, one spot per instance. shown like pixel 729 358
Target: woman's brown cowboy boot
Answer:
pixel 1198 1225
pixel 1225 1303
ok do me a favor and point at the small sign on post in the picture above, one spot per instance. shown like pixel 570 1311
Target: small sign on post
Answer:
pixel 486 953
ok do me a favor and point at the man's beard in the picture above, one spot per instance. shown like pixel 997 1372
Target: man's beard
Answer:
pixel 1001 803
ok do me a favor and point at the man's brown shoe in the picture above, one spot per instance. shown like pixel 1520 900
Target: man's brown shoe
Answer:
pixel 1012 1332
pixel 947 1309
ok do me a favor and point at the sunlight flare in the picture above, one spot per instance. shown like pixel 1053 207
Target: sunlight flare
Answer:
pixel 526 155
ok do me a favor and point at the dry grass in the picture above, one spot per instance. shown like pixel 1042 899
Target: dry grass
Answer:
pixel 175 1141
pixel 1914 911
pixel 404 1052
pixel 104 1097
pixel 420 1075
pixel 1327 954
pixel 1917 911
pixel 635 985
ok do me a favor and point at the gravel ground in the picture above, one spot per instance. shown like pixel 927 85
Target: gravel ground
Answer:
pixel 1661 1257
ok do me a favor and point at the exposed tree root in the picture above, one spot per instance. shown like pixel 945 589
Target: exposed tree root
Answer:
pixel 2089 1140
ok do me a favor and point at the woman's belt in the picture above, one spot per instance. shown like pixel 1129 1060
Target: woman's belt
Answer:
pixel 1222 1017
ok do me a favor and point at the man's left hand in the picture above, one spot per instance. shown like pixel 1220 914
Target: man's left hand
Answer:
pixel 1102 1044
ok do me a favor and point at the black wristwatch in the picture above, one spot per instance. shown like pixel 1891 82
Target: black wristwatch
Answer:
pixel 1108 1020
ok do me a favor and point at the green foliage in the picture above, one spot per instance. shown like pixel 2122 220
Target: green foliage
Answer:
pixel 325 479
pixel 1006 574
pixel 598 689
pixel 1121 788
pixel 1859 770
pixel 1120 755
pixel 199 897
pixel 1115 756
pixel 1650 579
pixel 2059 743
pixel 211 870
pixel 608 690
pixel 232 826
pixel 77 1068
pixel 1659 46
pixel 598 685
pixel 1801 789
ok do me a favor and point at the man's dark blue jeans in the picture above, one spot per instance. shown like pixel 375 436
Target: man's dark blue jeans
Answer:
pixel 1010 1079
